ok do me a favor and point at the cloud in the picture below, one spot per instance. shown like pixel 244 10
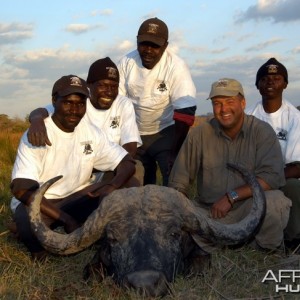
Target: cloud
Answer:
pixel 261 46
pixel 225 36
pixel 12 33
pixel 296 50
pixel 81 28
pixel 275 10
pixel 151 14
pixel 245 37
pixel 26 79
pixel 47 63
pixel 103 12
pixel 125 46
pixel 220 50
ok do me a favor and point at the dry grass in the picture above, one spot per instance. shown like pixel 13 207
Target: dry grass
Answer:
pixel 235 273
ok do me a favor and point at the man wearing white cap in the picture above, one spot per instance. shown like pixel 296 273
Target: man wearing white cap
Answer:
pixel 236 138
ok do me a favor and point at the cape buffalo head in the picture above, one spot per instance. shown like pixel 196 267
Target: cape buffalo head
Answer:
pixel 147 235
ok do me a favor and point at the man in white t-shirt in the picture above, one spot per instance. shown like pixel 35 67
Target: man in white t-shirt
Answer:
pixel 77 148
pixel 163 94
pixel 271 81
pixel 106 109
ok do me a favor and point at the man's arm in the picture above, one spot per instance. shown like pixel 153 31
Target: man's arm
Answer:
pixel 221 207
pixel 130 137
pixel 130 148
pixel 187 163
pixel 292 170
pixel 23 189
pixel 37 133
pixel 268 167
pixel 184 118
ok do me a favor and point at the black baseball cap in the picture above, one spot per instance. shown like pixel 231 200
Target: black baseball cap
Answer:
pixel 70 84
pixel 153 30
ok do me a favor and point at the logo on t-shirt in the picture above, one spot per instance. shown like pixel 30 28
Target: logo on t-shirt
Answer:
pixel 87 147
pixel 115 122
pixel 281 134
pixel 162 87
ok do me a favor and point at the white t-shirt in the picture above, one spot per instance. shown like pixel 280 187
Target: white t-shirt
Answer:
pixel 73 155
pixel 157 92
pixel 118 122
pixel 286 124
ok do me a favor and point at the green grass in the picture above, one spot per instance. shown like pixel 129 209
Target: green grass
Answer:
pixel 234 274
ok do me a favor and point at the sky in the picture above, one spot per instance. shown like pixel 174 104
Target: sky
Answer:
pixel 42 41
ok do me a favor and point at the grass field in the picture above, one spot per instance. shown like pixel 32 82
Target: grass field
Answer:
pixel 235 273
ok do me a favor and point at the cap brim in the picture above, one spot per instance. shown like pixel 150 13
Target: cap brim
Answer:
pixel 73 90
pixel 222 92
pixel 151 38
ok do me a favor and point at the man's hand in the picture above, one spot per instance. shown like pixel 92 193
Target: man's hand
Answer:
pixel 220 208
pixel 37 133
pixel 103 191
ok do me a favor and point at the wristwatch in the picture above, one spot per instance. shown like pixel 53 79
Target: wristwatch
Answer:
pixel 232 196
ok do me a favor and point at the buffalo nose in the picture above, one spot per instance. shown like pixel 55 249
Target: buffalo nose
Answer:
pixel 147 282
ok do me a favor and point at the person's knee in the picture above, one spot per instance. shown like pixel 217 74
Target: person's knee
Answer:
pixel 24 230
pixel 278 207
pixel 138 177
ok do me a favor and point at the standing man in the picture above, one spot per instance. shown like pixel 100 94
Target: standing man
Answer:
pixel 77 148
pixel 236 138
pixel 106 109
pixel 163 94
pixel 271 81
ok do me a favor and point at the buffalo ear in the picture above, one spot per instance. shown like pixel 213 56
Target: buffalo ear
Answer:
pixel 197 239
pixel 198 262
pixel 195 260
pixel 96 267
pixel 103 253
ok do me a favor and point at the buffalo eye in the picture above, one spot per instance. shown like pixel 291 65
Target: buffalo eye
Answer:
pixel 175 235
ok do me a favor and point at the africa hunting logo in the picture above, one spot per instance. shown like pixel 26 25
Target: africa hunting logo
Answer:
pixel 153 28
pixel 87 147
pixel 112 72
pixel 222 83
pixel 281 134
pixel 162 87
pixel 75 81
pixel 272 69
pixel 287 281
pixel 115 123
